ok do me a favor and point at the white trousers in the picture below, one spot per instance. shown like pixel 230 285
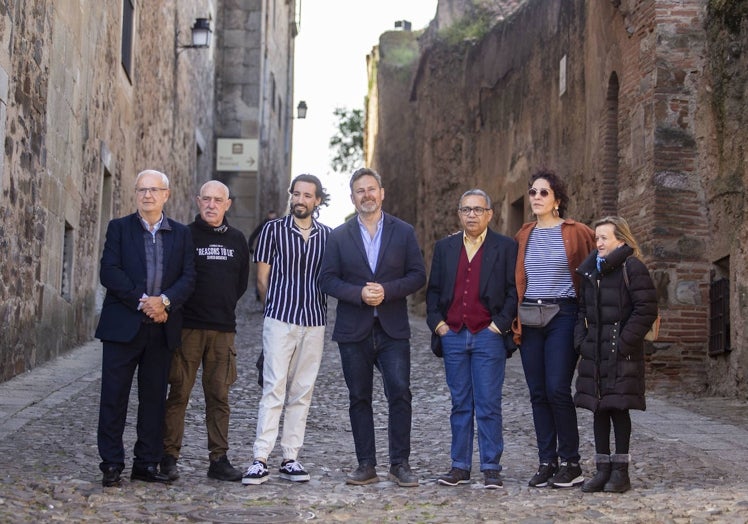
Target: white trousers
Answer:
pixel 292 357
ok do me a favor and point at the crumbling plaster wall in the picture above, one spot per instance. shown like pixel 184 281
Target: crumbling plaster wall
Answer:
pixel 723 137
pixel 389 149
pixel 491 111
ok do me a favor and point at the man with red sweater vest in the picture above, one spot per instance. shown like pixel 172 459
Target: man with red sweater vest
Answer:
pixel 471 300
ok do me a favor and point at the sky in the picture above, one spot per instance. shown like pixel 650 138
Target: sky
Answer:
pixel 330 71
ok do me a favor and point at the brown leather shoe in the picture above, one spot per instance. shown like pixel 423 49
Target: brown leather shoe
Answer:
pixel 402 475
pixel 364 474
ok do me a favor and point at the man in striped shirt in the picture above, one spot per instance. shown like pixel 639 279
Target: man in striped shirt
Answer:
pixel 289 255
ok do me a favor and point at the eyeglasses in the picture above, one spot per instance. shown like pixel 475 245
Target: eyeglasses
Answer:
pixel 154 190
pixel 543 192
pixel 478 211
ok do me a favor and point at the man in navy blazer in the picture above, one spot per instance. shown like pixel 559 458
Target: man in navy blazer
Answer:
pixel 471 301
pixel 371 264
pixel 148 270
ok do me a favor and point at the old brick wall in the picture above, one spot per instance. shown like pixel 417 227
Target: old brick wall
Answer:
pixel 76 131
pixel 605 93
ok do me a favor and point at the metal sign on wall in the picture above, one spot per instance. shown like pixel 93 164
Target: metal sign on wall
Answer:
pixel 236 154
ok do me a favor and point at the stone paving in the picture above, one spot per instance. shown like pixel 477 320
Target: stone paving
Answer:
pixel 689 456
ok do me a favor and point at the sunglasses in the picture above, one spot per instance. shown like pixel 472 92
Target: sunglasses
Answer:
pixel 543 192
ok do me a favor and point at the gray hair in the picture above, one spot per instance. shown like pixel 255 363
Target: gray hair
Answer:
pixel 164 178
pixel 477 192
pixel 221 185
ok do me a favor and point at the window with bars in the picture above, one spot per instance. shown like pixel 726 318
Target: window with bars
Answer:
pixel 719 316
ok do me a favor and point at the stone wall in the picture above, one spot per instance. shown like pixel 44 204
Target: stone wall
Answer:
pixel 76 130
pixel 255 101
pixel 389 149
pixel 721 144
pixel 613 96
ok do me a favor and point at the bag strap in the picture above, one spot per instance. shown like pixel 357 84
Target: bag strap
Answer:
pixel 625 274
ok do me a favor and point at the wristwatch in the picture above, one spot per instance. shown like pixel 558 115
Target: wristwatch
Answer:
pixel 166 301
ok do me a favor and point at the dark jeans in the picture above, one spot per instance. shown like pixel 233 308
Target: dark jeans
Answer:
pixel 549 360
pixel 149 354
pixel 392 358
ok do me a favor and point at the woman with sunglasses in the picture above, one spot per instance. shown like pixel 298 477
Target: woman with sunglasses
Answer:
pixel 617 306
pixel 550 250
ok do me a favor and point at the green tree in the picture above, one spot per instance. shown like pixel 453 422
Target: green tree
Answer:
pixel 347 144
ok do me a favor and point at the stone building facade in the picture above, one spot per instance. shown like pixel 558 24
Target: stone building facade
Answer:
pixel 91 93
pixel 255 101
pixel 636 104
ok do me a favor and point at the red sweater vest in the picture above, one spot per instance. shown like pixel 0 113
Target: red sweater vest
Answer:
pixel 467 309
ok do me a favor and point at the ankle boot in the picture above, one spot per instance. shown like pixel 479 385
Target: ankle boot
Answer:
pixel 619 474
pixel 597 483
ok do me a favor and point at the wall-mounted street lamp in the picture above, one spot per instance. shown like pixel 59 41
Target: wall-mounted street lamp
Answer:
pixel 200 35
pixel 301 110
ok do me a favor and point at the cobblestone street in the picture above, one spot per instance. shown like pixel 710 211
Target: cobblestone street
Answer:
pixel 688 455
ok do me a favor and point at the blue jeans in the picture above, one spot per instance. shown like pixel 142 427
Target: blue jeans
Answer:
pixel 549 360
pixel 474 364
pixel 392 358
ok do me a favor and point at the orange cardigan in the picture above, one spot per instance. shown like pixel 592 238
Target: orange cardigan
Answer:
pixel 579 241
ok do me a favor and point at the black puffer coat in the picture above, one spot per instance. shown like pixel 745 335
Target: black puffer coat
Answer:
pixel 609 334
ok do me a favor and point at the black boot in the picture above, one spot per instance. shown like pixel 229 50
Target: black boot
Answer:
pixel 597 483
pixel 619 474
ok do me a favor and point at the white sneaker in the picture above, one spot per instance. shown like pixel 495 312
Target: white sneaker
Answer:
pixel 257 473
pixel 293 470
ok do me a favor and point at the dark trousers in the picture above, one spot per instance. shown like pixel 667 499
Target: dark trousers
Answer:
pixel 549 360
pixel 148 353
pixel 392 358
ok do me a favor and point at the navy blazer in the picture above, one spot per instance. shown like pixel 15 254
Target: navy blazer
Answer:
pixel 123 274
pixel 345 272
pixel 498 292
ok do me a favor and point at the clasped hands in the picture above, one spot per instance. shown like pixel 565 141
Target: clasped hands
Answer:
pixel 154 308
pixel 372 294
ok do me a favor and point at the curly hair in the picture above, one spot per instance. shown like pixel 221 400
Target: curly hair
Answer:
pixel 319 190
pixel 557 185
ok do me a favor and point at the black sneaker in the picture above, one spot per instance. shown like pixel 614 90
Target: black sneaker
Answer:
pixel 569 475
pixel 222 469
pixel 257 473
pixel 293 470
pixel 168 466
pixel 454 477
pixel 545 471
pixel 492 479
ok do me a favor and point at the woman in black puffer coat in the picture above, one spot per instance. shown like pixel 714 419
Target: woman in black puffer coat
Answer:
pixel 614 316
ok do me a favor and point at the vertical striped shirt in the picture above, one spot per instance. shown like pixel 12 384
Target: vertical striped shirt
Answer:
pixel 293 293
pixel 546 265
